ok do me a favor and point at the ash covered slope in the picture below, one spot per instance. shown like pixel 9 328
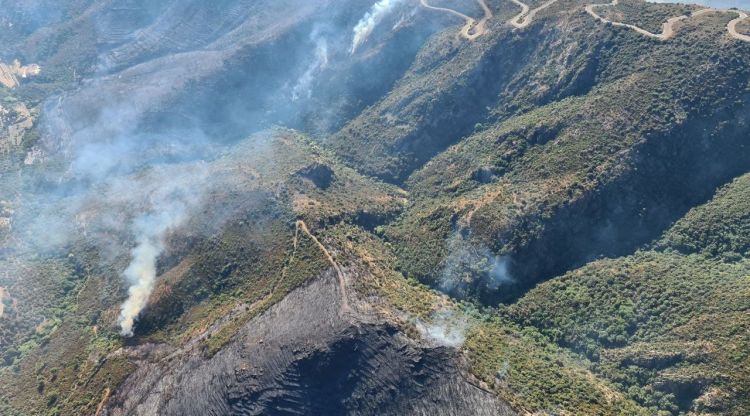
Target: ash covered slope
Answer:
pixel 270 275
pixel 306 355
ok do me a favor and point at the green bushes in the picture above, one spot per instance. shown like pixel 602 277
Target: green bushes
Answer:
pixel 719 228
pixel 621 312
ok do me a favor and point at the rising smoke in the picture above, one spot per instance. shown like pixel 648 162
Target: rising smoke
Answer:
pixel 445 328
pixel 303 88
pixel 118 166
pixel 169 204
pixel 371 19
pixel 141 275
pixel 471 268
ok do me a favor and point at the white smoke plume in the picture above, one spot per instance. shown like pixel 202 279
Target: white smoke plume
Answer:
pixel 141 274
pixel 470 264
pixel 445 328
pixel 169 204
pixel 371 19
pixel 303 88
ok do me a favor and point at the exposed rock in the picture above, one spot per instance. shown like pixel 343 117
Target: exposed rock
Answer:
pixel 9 74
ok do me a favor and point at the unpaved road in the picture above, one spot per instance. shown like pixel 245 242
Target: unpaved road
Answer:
pixel 668 26
pixel 103 402
pixel 472 29
pixel 339 273
pixel 526 16
pixel 732 26
pixel 667 30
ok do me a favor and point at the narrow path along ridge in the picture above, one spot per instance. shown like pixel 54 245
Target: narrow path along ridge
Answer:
pixel 527 14
pixel 339 273
pixel 668 26
pixel 472 29
pixel 103 402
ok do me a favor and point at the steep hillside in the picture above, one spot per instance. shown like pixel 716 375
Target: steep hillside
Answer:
pixel 364 207
pixel 650 132
pixel 670 324
pixel 240 253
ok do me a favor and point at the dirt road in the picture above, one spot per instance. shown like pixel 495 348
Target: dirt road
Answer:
pixel 668 26
pixel 527 15
pixel 472 29
pixel 732 26
pixel 340 274
pixel 667 30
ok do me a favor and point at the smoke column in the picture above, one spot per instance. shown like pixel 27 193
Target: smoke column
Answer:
pixel 141 274
pixel 477 261
pixel 367 24
pixel 169 205
pixel 446 328
pixel 304 84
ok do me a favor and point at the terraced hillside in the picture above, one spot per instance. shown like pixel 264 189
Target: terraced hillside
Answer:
pixel 375 207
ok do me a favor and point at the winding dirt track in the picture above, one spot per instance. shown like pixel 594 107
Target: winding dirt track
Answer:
pixel 472 29
pixel 668 26
pixel 527 15
pixel 103 402
pixel 732 26
pixel 340 274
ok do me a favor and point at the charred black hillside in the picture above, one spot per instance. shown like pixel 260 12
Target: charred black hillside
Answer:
pixel 374 207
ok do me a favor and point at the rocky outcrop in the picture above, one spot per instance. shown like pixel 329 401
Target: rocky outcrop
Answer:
pixel 9 74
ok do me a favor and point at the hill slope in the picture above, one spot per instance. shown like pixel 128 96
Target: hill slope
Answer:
pixel 351 207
